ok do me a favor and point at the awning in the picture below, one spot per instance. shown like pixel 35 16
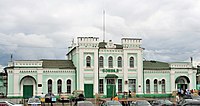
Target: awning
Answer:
pixel 111 76
pixel 184 77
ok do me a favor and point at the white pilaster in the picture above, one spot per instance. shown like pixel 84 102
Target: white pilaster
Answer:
pixel 96 71
pixel 16 83
pixel 190 78
pixel 81 70
pixel 39 81
pixel 140 71
pixel 172 76
pixel 125 70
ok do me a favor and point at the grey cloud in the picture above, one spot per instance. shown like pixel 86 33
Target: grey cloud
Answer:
pixel 169 28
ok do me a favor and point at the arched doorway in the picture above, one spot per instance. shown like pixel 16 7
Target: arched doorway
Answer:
pixel 182 82
pixel 28 85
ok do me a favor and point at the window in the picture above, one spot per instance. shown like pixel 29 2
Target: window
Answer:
pixel 131 62
pixel 132 85
pixel 119 61
pixel 88 61
pixel 59 83
pixel 110 62
pixel 49 86
pixel 120 85
pixel 68 86
pixel 101 62
pixel 100 85
pixel 163 85
pixel 147 86
pixel 110 81
pixel 155 86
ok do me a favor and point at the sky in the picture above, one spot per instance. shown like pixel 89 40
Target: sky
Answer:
pixel 43 29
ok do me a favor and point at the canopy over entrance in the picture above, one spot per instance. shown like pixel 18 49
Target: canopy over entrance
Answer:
pixel 111 76
pixel 178 80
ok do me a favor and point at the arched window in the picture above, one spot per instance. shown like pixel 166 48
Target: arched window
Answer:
pixel 155 86
pixel 101 61
pixel 49 86
pixel 110 62
pixel 131 62
pixel 59 85
pixel 119 61
pixel 88 61
pixel 163 85
pixel 147 86
pixel 68 86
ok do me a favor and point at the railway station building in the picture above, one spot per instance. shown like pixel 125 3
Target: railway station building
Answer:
pixel 99 67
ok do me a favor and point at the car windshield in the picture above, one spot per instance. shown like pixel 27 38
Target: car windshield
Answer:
pixel 165 102
pixel 195 97
pixel 85 103
pixel 114 103
pixel 33 100
pixel 11 103
pixel 143 103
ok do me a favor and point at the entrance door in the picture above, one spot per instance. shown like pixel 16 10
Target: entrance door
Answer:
pixel 88 89
pixel 182 86
pixel 27 91
pixel 111 88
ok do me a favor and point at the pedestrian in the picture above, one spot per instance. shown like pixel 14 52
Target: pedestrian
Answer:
pixel 42 99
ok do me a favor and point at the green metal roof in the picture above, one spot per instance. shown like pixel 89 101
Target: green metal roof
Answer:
pixel 155 65
pixel 111 76
pixel 119 46
pixel 61 64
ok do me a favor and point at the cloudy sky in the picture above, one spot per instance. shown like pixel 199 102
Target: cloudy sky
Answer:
pixel 43 29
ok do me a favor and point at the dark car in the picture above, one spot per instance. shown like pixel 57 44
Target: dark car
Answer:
pixel 50 98
pixel 189 102
pixel 162 102
pixel 141 103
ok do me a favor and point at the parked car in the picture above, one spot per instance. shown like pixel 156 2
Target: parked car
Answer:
pixel 8 103
pixel 111 103
pixel 77 95
pixel 84 103
pixel 162 102
pixel 189 102
pixel 34 101
pixel 141 103
pixel 64 97
pixel 50 98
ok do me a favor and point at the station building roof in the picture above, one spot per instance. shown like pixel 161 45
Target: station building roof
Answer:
pixel 155 65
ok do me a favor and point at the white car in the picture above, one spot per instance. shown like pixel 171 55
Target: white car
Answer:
pixel 84 103
pixel 8 103
pixel 34 101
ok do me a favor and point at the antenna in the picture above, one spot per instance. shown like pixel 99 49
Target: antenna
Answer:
pixel 104 26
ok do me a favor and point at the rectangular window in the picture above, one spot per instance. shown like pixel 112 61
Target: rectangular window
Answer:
pixel 155 88
pixel 147 88
pixel 120 85
pixel 163 88
pixel 68 89
pixel 49 88
pixel 101 62
pixel 100 85
pixel 110 81
pixel 132 85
